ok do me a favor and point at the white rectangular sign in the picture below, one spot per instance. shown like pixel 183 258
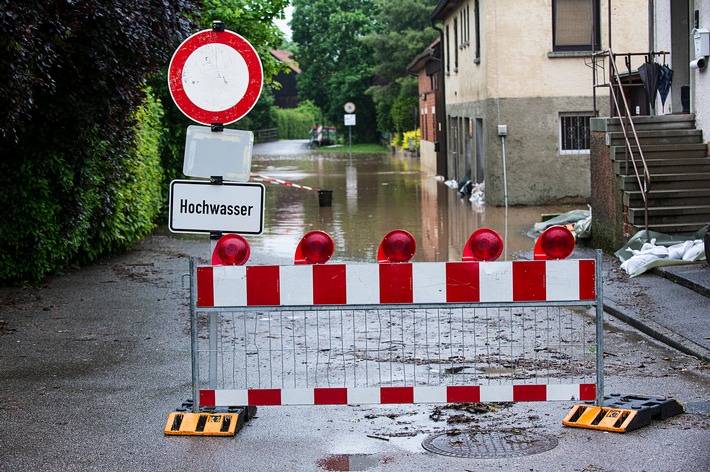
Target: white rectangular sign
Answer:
pixel 226 154
pixel 198 206
pixel 350 119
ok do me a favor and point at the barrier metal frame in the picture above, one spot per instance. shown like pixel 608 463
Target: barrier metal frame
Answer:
pixel 196 310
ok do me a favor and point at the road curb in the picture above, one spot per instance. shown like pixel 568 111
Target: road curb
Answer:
pixel 685 282
pixel 660 333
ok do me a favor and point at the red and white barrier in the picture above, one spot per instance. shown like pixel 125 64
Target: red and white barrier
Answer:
pixel 398 332
pixel 404 283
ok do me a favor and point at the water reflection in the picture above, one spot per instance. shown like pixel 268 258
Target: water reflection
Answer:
pixel 351 462
pixel 372 195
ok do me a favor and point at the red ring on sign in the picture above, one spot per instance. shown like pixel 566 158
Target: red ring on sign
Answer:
pixel 236 111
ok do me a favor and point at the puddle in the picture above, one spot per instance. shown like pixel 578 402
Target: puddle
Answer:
pixel 352 462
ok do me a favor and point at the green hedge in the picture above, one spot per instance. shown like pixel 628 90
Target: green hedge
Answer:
pixel 296 123
pixel 61 209
pixel 137 194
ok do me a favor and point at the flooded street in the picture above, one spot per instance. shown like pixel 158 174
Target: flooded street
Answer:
pixel 94 361
pixel 372 195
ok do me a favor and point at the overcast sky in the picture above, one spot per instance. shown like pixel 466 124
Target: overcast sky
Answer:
pixel 282 24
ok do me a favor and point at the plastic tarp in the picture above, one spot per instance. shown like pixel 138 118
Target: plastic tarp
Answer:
pixel 581 219
pixel 643 253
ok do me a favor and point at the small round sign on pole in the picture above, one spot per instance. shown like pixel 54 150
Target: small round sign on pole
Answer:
pixel 215 77
pixel 349 107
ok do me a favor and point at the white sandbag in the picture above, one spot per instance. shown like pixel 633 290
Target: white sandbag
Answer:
pixel 638 264
pixel 677 251
pixel 695 252
pixel 651 248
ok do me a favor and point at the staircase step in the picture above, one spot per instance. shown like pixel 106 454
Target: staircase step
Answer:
pixel 682 136
pixel 679 163
pixel 657 198
pixel 670 228
pixel 668 181
pixel 662 151
pixel 687 214
pixel 668 166
pixel 645 123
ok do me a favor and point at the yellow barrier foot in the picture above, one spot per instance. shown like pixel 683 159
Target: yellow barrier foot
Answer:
pixel 203 424
pixel 210 421
pixel 622 413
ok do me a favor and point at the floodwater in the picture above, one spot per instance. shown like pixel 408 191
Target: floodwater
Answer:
pixel 372 195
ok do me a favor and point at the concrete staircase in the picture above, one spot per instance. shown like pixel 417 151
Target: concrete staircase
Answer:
pixel 677 159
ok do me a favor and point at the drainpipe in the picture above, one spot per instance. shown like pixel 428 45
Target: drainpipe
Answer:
pixel 651 48
pixel 651 27
pixel 608 7
pixel 443 147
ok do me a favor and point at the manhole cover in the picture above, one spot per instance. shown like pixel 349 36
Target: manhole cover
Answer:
pixel 489 444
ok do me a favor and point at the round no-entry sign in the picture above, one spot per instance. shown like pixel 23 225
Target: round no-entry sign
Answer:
pixel 215 77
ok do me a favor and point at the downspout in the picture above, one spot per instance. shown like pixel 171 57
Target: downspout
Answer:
pixel 443 147
pixel 502 136
pixel 417 113
pixel 651 26
pixel 608 8
pixel 652 45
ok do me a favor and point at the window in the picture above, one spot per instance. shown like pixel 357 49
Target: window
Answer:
pixel 575 25
pixel 477 19
pixel 448 52
pixel 574 132
pixel 456 44
pixel 465 27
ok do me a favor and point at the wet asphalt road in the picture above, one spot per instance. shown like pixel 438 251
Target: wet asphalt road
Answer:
pixel 92 363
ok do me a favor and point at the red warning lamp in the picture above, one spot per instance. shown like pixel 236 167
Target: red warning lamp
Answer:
pixel 483 245
pixel 231 249
pixel 397 246
pixel 316 247
pixel 556 242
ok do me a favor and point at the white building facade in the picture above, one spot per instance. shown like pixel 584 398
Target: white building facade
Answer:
pixel 519 88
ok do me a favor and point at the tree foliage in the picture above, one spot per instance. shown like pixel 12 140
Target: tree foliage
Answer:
pixel 254 20
pixel 85 60
pixel 403 32
pixel 72 76
pixel 336 66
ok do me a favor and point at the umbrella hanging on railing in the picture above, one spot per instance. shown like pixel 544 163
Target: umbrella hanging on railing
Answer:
pixel 665 78
pixel 649 76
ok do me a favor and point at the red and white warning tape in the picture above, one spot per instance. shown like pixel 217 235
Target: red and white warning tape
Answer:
pixel 271 180
pixel 394 395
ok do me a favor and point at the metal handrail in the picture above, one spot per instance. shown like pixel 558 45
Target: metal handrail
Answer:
pixel 645 182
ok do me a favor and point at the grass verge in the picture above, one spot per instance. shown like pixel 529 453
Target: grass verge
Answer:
pixel 357 149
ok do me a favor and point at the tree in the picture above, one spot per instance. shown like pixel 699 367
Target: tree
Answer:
pixel 403 32
pixel 336 67
pixel 404 108
pixel 72 78
pixel 254 20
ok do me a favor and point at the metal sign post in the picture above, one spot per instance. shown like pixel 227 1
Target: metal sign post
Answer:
pixel 350 122
pixel 215 77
